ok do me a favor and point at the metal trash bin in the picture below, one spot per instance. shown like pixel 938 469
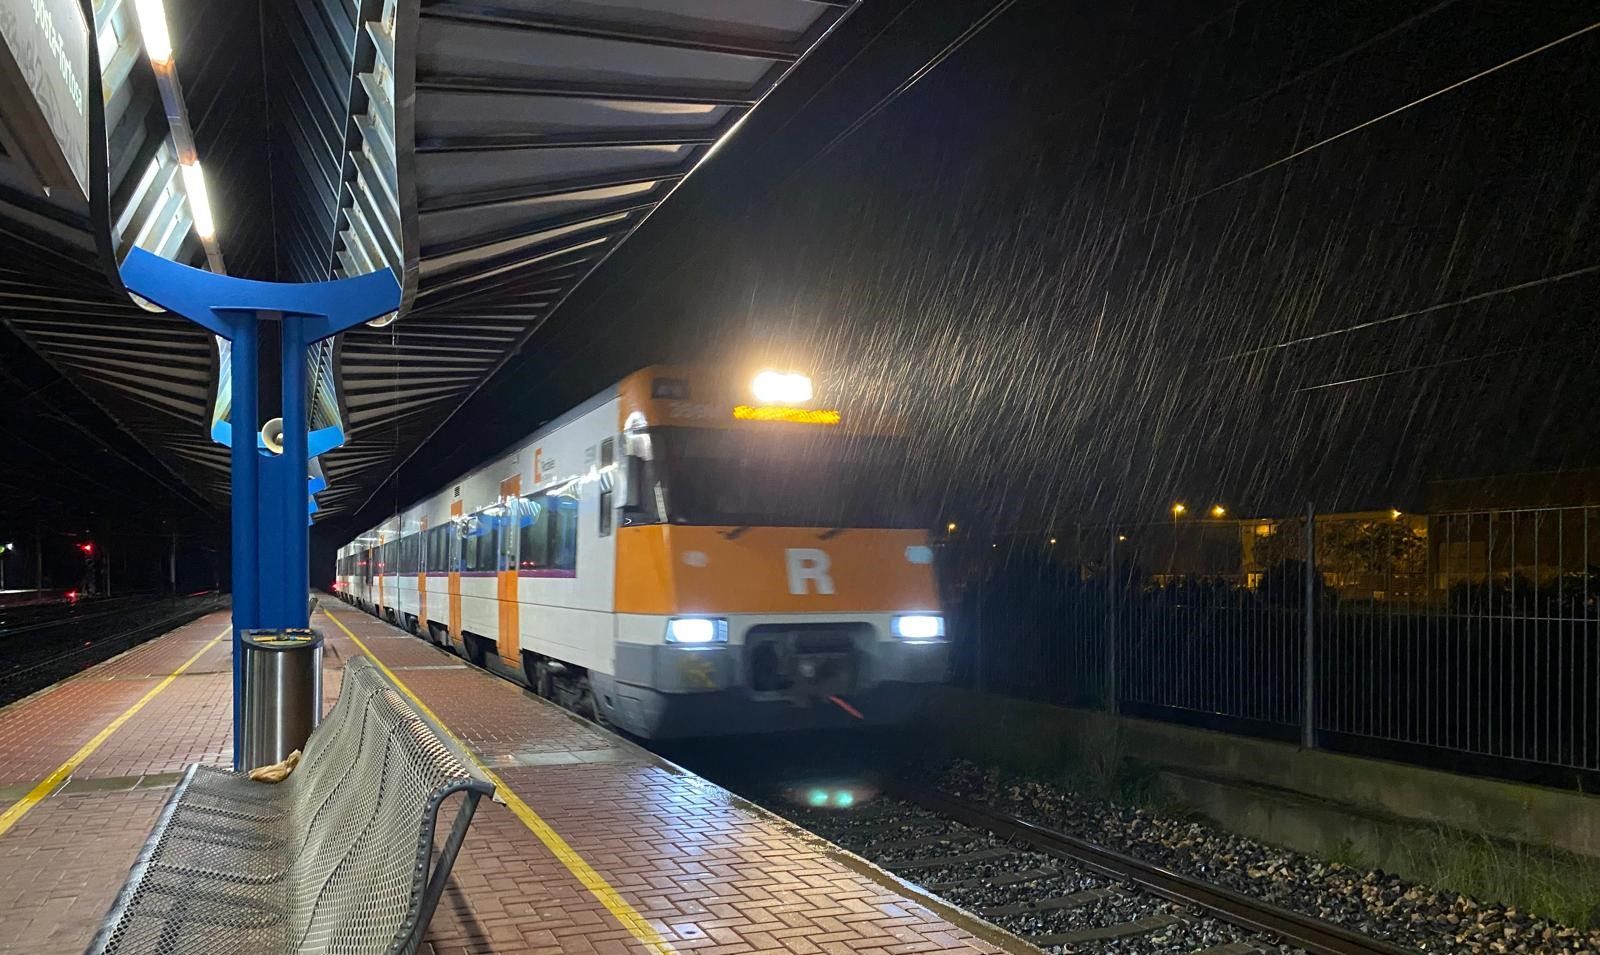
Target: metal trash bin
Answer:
pixel 282 694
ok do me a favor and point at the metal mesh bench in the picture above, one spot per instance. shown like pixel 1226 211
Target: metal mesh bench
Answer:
pixel 338 858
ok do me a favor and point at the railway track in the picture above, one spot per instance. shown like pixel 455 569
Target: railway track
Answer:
pixel 1063 894
pixel 40 648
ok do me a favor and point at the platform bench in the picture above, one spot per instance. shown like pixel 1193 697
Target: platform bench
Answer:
pixel 339 857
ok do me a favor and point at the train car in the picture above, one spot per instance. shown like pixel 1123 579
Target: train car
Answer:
pixel 681 555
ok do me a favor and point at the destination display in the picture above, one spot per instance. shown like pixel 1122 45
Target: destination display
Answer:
pixel 44 87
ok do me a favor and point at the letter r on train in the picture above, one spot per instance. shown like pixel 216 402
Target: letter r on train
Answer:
pixel 808 568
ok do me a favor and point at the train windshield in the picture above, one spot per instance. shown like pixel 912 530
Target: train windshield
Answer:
pixel 784 478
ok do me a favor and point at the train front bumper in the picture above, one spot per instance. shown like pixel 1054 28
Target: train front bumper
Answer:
pixel 664 690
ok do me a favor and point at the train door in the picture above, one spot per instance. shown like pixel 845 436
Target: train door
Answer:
pixel 453 577
pixel 509 638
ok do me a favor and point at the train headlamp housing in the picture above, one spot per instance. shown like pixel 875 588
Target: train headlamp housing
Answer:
pixel 781 388
pixel 918 627
pixel 697 631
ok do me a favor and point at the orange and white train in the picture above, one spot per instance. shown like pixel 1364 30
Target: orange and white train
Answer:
pixel 680 555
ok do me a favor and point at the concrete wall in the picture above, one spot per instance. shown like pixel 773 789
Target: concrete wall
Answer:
pixel 1314 801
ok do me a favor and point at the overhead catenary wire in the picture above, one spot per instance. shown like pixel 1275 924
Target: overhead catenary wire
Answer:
pixel 1412 369
pixel 928 66
pixel 1373 121
pixel 181 491
pixel 1411 313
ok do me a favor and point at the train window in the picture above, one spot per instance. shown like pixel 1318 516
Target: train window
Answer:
pixel 564 531
pixel 608 458
pixel 675 389
pixel 433 553
pixel 494 557
pixel 506 538
pixel 478 545
pixel 533 534
pixel 547 533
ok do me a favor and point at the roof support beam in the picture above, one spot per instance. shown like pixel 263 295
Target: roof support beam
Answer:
pixel 573 26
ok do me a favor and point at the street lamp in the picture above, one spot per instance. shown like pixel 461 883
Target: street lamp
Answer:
pixel 1178 510
pixel 1218 511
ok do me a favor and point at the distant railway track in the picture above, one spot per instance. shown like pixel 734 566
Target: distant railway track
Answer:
pixel 1064 894
pixel 1308 934
pixel 19 621
pixel 40 648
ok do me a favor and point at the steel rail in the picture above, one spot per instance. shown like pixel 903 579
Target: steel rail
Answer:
pixel 1314 935
pixel 99 643
pixel 123 605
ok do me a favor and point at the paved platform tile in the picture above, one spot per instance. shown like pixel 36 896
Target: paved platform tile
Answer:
pixel 39 733
pixel 708 874
pixel 191 721
pixel 62 864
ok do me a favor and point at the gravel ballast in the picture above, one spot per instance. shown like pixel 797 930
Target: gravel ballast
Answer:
pixel 1375 903
pixel 979 872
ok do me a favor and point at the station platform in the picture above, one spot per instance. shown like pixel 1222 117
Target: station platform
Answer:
pixel 599 847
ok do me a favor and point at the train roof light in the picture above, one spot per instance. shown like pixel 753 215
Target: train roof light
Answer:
pixel 194 186
pixel 153 27
pixel 781 388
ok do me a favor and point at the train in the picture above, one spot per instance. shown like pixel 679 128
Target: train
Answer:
pixel 688 553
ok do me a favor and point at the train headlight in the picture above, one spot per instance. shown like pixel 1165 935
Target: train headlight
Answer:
pixel 777 388
pixel 918 627
pixel 697 630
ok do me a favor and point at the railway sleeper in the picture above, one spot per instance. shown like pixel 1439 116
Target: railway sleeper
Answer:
pixel 1002 879
pixel 1071 901
pixel 967 835
pixel 1107 932
pixel 957 859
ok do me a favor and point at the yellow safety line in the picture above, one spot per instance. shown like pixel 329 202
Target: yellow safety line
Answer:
pixel 585 873
pixel 38 793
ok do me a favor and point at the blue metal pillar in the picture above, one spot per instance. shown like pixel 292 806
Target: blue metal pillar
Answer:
pixel 271 492
pixel 293 477
pixel 246 549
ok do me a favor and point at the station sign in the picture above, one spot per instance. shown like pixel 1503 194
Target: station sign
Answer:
pixel 44 89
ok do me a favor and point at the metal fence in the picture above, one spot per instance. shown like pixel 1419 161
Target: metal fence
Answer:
pixel 1468 640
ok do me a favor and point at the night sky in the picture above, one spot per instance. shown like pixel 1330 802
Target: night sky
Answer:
pixel 1102 259
pixel 70 475
pixel 1106 259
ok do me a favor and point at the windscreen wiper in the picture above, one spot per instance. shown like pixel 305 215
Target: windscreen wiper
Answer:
pixel 735 533
pixel 831 533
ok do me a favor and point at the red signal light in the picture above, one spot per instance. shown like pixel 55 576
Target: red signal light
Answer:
pixel 87 547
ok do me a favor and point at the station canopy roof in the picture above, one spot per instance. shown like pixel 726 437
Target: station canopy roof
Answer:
pixel 490 154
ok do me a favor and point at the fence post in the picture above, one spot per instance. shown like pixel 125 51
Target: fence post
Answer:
pixel 1111 624
pixel 977 649
pixel 1308 649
